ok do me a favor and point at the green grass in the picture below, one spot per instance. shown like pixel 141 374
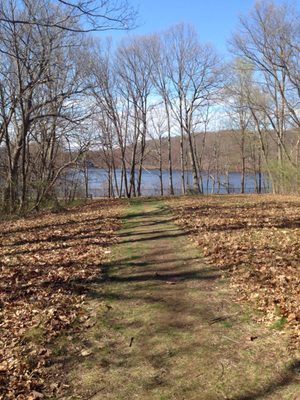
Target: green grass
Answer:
pixel 35 334
pixel 227 324
pixel 60 346
pixel 279 324
pixel 175 352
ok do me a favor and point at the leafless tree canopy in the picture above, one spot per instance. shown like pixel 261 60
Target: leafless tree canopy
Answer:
pixel 67 98
pixel 75 16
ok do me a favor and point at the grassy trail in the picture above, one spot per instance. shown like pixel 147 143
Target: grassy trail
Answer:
pixel 166 327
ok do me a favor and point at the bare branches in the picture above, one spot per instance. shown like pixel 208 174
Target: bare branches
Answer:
pixel 267 41
pixel 74 16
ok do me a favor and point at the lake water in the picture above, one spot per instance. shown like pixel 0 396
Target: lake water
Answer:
pixel 98 182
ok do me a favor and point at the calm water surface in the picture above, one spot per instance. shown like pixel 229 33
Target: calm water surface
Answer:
pixel 98 182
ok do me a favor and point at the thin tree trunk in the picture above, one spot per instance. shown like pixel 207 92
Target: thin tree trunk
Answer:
pixel 160 167
pixel 171 187
pixel 194 164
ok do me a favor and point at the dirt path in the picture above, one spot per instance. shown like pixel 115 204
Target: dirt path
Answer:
pixel 165 326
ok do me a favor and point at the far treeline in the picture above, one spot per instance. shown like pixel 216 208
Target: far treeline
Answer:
pixel 66 94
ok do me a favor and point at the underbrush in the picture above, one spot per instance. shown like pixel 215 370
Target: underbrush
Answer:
pixel 54 206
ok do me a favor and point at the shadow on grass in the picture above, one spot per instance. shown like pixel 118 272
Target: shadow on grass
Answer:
pixel 150 287
pixel 145 237
pixel 142 232
pixel 290 374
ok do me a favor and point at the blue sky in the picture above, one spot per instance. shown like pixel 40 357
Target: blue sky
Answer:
pixel 214 20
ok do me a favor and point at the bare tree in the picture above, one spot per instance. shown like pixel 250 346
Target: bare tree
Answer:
pixel 43 83
pixel 157 133
pixel 73 15
pixel 162 85
pixel 268 40
pixel 195 74
pixel 236 98
pixel 135 65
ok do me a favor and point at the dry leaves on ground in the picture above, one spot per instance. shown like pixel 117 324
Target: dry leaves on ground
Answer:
pixel 256 239
pixel 46 262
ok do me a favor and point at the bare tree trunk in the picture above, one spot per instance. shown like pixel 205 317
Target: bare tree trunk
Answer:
pixel 243 163
pixel 124 177
pixel 86 178
pixel 114 171
pixel 132 190
pixel 194 164
pixel 140 170
pixel 161 167
pixel 183 190
pixel 171 187
pixel 259 174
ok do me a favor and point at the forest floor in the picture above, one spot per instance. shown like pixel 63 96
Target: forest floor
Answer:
pixel 166 323
pixel 47 263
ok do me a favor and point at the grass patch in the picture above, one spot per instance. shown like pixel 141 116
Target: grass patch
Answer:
pixel 60 346
pixel 35 334
pixel 279 324
pixel 227 324
pixel 118 328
